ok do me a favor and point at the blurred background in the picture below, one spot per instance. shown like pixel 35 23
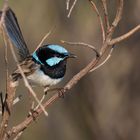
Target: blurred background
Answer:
pixel 104 105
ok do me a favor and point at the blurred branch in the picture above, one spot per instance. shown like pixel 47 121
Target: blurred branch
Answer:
pixel 71 8
pixel 67 4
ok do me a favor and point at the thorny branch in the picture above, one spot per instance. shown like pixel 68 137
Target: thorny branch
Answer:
pixel 17 130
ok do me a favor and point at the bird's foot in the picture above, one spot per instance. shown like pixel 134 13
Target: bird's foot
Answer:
pixel 60 91
pixel 33 113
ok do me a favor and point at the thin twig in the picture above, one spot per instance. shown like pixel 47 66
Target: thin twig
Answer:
pixel 117 18
pixel 17 100
pixel 125 36
pixel 104 3
pixel 83 44
pixel 99 18
pixel 71 9
pixel 44 38
pixel 18 135
pixel 101 64
pixel 67 4
pixel 14 102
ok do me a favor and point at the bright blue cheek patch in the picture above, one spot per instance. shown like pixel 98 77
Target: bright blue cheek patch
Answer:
pixel 53 61
pixel 58 48
pixel 36 58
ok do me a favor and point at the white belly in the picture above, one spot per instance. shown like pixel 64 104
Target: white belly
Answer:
pixel 39 78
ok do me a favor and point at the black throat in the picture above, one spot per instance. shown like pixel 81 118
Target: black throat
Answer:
pixel 55 72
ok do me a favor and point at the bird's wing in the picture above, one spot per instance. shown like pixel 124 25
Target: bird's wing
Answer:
pixel 15 34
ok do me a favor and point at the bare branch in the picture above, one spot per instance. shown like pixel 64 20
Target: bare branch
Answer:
pixel 117 18
pixel 16 129
pixel 107 58
pixel 15 101
pixel 99 18
pixel 71 9
pixel 44 38
pixel 124 36
pixel 18 135
pixel 104 3
pixel 67 4
pixel 83 44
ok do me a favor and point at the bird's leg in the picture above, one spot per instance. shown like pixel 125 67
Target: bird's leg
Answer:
pixel 43 97
pixel 32 107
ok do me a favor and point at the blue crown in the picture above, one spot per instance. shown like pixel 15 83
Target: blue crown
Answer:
pixel 58 48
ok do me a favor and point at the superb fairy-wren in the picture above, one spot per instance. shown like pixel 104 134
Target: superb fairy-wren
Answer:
pixel 46 66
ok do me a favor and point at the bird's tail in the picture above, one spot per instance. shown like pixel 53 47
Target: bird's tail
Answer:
pixel 13 31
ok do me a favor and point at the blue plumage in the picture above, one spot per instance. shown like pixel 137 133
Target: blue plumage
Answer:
pixel 58 48
pixel 34 55
pixel 53 61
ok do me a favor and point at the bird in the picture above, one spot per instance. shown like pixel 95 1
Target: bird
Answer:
pixel 46 66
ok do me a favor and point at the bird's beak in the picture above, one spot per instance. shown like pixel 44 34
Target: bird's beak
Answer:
pixel 71 55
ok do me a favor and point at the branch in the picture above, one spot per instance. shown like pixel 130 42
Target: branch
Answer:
pixel 117 18
pixel 71 9
pixel 104 3
pixel 125 36
pixel 106 59
pixel 99 18
pixel 83 44
pixel 67 4
pixel 44 38
pixel 22 126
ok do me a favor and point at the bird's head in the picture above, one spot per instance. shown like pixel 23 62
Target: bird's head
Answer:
pixel 52 55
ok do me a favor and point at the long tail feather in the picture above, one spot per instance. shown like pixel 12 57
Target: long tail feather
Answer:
pixel 15 34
